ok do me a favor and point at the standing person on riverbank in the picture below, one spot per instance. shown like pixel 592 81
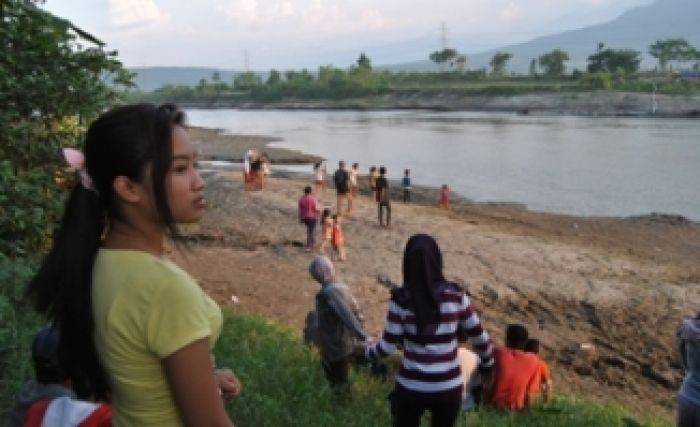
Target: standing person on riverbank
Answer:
pixel 444 197
pixel 406 185
pixel 427 317
pixel 372 179
pixel 264 169
pixel 354 185
pixel 338 239
pixel 339 321
pixel 689 395
pixel 341 179
pixel 326 230
pixel 134 326
pixel 308 215
pixel 319 177
pixel 248 177
pixel 383 200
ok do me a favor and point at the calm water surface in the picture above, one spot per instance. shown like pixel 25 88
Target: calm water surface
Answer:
pixel 577 165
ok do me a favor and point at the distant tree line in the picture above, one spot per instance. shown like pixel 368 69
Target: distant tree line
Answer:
pixel 553 64
pixel 607 68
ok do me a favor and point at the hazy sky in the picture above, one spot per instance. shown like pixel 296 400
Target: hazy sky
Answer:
pixel 305 33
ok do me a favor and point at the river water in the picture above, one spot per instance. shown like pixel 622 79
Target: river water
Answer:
pixel 577 165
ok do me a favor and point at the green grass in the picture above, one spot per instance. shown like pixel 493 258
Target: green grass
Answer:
pixel 284 386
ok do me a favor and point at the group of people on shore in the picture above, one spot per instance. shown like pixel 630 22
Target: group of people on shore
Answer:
pixel 130 334
pixel 347 188
pixel 428 318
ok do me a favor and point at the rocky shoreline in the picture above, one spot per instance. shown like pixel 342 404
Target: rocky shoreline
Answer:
pixel 592 104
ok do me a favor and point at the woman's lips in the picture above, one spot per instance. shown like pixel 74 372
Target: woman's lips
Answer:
pixel 200 202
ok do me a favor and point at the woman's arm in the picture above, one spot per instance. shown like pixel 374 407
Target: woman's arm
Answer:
pixel 392 337
pixel 194 386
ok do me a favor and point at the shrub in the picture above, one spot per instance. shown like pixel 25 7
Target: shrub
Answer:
pixel 600 80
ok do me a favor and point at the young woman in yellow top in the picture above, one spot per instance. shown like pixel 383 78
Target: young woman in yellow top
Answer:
pixel 135 329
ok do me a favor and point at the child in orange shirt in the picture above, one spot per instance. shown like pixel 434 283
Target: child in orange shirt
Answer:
pixel 445 197
pixel 545 376
pixel 337 238
pixel 326 230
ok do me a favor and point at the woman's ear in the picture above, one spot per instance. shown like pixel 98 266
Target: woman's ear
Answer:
pixel 127 190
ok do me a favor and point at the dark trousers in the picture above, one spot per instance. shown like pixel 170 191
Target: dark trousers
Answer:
pixel 384 206
pixel 310 227
pixel 407 410
pixel 336 372
pixel 406 195
pixel 688 414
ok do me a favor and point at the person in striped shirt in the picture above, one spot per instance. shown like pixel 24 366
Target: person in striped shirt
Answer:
pixel 427 317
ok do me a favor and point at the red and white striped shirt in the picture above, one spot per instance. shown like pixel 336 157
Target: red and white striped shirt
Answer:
pixel 430 364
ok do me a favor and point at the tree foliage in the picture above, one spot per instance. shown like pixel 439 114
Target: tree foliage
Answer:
pixel 673 50
pixel 553 62
pixel 614 60
pixel 499 61
pixel 442 56
pixel 54 78
pixel 246 80
pixel 364 63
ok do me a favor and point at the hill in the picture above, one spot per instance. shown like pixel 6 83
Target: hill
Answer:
pixel 634 29
pixel 150 78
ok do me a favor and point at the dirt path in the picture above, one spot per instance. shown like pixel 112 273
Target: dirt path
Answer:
pixel 606 316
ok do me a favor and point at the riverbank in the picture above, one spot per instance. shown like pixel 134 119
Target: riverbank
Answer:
pixel 604 295
pixel 596 103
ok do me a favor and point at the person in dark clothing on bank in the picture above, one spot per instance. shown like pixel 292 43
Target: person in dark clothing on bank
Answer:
pixel 383 200
pixel 341 179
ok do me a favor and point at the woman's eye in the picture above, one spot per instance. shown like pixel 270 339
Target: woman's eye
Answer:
pixel 180 168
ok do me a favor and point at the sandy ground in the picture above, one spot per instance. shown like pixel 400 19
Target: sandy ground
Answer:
pixel 604 296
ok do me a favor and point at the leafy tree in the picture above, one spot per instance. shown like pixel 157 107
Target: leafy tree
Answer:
pixel 673 50
pixel 54 79
pixel 553 62
pixel 364 63
pixel 614 60
pixel 442 56
pixel 274 77
pixel 246 81
pixel 499 61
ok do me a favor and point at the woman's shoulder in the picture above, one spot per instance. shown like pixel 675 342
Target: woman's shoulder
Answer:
pixel 144 268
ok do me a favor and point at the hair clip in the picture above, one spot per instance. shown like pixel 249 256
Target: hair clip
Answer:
pixel 76 161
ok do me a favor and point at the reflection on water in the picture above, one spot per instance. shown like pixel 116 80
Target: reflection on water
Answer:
pixel 587 166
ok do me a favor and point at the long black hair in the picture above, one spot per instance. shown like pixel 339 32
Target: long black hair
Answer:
pixel 124 141
pixel 422 278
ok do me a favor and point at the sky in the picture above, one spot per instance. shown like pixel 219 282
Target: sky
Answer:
pixel 286 34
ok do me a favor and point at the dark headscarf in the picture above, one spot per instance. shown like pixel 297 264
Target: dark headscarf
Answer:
pixel 422 280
